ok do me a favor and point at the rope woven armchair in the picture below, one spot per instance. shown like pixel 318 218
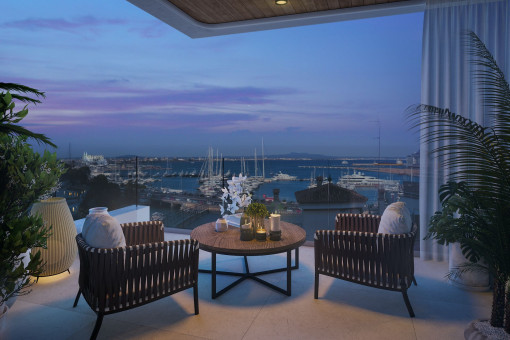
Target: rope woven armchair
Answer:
pixel 146 269
pixel 355 252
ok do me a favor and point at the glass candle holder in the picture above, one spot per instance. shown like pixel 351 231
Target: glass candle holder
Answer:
pixel 260 235
pixel 257 222
pixel 275 235
pixel 246 232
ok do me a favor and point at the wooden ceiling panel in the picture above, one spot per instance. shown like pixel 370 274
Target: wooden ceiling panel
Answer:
pixel 223 11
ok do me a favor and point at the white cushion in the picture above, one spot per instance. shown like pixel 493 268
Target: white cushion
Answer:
pixel 103 231
pixel 396 219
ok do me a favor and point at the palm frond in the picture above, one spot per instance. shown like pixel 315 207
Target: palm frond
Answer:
pixel 474 153
pixel 466 267
pixel 492 83
pixel 10 87
pixel 16 130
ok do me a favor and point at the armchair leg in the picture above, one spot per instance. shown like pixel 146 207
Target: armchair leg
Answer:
pixel 195 298
pixel 316 286
pixel 408 303
pixel 77 298
pixel 99 321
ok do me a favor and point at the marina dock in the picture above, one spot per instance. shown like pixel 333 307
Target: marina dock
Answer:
pixel 395 169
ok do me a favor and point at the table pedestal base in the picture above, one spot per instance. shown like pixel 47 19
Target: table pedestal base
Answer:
pixel 254 276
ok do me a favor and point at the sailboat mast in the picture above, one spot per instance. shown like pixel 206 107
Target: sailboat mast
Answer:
pixel 211 164
pixel 255 161
pixel 263 168
pixel 217 163
pixel 379 153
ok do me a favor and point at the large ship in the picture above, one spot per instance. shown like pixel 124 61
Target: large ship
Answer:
pixel 283 177
pixel 360 180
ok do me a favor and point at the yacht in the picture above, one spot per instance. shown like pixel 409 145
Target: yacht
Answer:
pixel 284 177
pixel 359 179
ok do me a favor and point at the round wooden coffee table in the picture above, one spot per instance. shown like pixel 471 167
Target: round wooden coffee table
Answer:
pixel 229 243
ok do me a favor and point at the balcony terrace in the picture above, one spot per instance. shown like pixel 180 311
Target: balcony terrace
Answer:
pixel 252 311
pixel 344 310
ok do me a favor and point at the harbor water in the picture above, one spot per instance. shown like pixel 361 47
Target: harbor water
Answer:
pixel 183 176
pixel 305 171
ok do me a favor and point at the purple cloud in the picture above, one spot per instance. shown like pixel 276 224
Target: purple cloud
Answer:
pixel 70 26
pixel 153 30
pixel 142 121
pixel 117 95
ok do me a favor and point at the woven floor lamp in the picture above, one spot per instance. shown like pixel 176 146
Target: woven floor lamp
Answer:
pixel 61 245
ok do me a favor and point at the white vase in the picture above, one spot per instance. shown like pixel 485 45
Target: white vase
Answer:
pixel 61 244
pixel 221 225
pixel 100 230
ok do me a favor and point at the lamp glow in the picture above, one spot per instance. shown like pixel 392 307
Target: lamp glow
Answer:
pixel 281 2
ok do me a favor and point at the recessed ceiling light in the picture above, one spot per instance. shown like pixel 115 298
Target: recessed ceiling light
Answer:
pixel 281 2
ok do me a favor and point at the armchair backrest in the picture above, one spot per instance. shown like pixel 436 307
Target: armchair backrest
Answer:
pixel 143 232
pixel 357 222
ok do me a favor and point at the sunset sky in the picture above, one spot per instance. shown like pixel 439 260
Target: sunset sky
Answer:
pixel 119 81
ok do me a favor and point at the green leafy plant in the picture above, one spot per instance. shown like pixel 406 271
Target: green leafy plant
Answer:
pixel 25 176
pixel 257 210
pixel 476 200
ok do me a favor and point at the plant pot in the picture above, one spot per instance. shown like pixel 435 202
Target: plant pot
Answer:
pixel 221 225
pixel 476 281
pixel 3 317
pixel 481 330
pixel 26 260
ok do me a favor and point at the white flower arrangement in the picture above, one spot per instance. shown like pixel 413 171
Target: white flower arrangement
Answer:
pixel 234 197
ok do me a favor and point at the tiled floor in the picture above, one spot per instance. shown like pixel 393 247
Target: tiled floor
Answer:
pixel 253 311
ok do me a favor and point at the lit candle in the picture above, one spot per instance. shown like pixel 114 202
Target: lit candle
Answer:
pixel 275 222
pixel 261 234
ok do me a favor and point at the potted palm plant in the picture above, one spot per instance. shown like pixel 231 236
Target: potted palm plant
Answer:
pixel 25 176
pixel 476 200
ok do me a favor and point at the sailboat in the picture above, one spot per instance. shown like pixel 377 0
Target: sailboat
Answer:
pixel 167 172
pixel 208 175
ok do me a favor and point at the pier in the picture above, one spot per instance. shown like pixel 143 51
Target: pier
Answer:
pixel 185 210
pixel 395 169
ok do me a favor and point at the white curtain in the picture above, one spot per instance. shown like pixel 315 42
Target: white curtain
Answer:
pixel 447 82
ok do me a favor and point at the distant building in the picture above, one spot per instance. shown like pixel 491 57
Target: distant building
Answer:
pixel 93 159
pixel 413 160
pixel 321 204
